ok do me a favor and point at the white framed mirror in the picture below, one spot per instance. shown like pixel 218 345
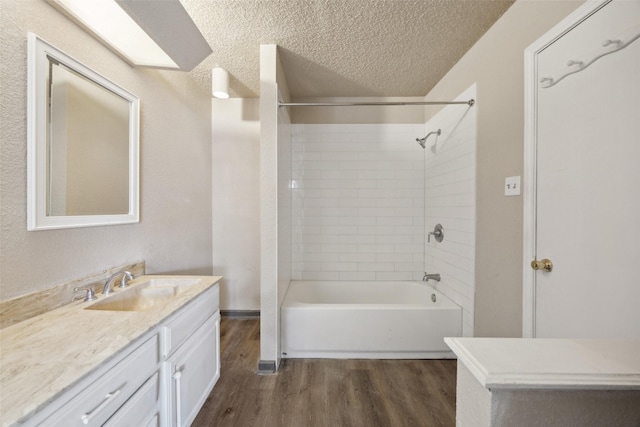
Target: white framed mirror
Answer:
pixel 82 144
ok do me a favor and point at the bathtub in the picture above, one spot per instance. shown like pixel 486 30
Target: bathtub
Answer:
pixel 367 320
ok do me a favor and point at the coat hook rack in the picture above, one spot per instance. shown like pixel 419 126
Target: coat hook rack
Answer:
pixel 614 45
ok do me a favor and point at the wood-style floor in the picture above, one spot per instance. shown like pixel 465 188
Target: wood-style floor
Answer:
pixel 325 392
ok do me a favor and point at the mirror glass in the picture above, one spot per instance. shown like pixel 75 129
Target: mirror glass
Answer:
pixel 83 144
pixel 88 142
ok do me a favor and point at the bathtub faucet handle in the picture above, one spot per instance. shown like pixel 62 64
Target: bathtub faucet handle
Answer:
pixel 435 276
pixel 438 233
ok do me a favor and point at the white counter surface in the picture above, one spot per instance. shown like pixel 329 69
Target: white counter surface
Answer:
pixel 45 355
pixel 550 363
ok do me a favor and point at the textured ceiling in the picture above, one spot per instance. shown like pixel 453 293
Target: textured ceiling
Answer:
pixel 341 47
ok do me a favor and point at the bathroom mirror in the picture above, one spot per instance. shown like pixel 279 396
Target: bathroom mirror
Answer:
pixel 82 144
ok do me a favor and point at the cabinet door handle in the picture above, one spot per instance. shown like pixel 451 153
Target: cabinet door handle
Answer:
pixel 176 376
pixel 87 417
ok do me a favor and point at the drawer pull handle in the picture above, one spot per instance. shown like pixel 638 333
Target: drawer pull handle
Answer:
pixel 176 376
pixel 86 418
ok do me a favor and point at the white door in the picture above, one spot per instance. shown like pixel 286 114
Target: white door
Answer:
pixel 588 179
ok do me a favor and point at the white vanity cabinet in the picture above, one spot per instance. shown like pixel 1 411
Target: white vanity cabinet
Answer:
pixel 193 371
pixel 192 366
pixel 113 391
pixel 160 380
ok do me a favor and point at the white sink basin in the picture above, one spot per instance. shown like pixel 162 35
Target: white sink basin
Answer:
pixel 144 296
pixel 177 282
pixel 136 299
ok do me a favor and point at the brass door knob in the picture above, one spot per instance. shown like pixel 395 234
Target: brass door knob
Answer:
pixel 545 265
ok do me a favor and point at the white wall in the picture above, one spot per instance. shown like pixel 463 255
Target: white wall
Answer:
pixel 275 202
pixel 450 200
pixel 236 201
pixel 174 234
pixel 496 63
pixel 358 210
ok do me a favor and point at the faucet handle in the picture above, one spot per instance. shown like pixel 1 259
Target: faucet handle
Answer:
pixel 87 290
pixel 438 233
pixel 91 295
pixel 126 276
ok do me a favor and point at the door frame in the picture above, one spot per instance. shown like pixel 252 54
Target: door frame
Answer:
pixel 530 155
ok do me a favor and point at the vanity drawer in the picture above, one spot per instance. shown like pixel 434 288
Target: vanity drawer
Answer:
pixel 188 320
pixel 98 402
pixel 141 409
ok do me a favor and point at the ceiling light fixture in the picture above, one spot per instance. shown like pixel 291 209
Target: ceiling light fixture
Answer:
pixel 156 34
pixel 220 83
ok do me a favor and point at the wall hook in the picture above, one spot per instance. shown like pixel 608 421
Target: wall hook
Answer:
pixel 618 43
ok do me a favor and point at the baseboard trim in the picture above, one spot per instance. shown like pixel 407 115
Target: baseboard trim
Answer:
pixel 266 367
pixel 240 314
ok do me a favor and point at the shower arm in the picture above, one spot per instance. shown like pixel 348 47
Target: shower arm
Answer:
pixel 422 141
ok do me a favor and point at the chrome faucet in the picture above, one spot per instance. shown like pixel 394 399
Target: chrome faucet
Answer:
pixel 126 276
pixel 435 276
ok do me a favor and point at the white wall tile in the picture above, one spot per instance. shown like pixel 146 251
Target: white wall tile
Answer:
pixel 360 257
pixel 368 193
pixel 365 187
pixel 320 275
pixel 357 275
pixel 450 198
pixel 394 275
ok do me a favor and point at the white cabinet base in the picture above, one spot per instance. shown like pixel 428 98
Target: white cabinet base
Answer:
pixel 545 382
pixel 192 371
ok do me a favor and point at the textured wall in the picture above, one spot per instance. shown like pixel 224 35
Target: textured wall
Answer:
pixel 174 235
pixel 496 63
pixel 562 408
pixel 236 201
pixel 473 401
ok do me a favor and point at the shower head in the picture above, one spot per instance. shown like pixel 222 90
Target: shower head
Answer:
pixel 423 141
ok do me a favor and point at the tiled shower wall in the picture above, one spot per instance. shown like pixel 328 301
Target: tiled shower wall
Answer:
pixel 450 199
pixel 358 202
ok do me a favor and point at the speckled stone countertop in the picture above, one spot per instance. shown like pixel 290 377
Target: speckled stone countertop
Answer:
pixel 45 355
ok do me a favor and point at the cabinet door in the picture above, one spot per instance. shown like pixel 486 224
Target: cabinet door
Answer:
pixel 193 371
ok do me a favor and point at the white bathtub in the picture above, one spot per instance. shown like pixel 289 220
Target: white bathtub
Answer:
pixel 367 320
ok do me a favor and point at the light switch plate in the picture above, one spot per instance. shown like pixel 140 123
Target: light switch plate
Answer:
pixel 512 186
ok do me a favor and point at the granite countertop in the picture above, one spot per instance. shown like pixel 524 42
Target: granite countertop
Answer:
pixel 551 363
pixel 45 355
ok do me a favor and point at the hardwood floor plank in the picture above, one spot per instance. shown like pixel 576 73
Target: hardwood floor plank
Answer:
pixel 325 392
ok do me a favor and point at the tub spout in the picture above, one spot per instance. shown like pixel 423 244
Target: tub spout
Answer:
pixel 435 277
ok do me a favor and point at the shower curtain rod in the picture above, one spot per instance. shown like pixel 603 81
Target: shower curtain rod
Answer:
pixel 470 103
